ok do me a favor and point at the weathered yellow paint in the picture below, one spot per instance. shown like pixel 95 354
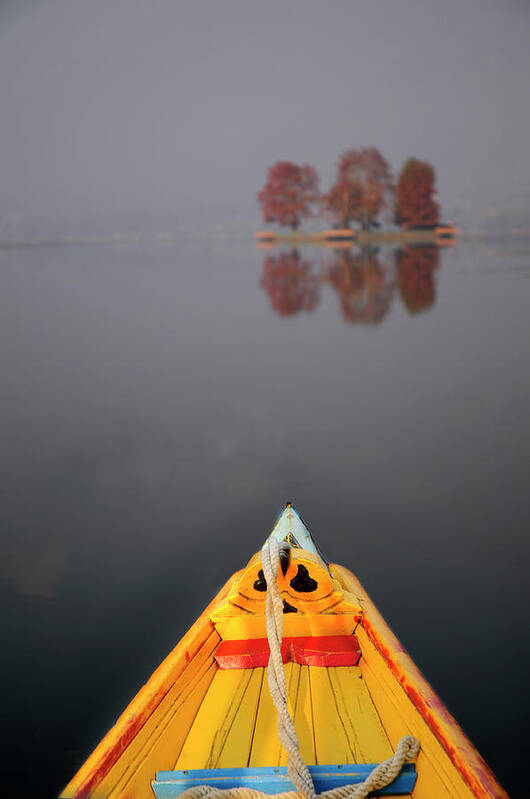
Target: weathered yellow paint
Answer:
pixel 292 672
pixel 303 717
pixel 331 742
pixel 236 749
pixel 366 736
pixel 216 715
pixel 265 748
pixel 160 751
pixel 334 716
pixel 292 677
pixel 437 776
pixel 240 626
pixel 346 723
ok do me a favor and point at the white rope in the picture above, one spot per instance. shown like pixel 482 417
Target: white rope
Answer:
pixel 380 776
pixel 296 768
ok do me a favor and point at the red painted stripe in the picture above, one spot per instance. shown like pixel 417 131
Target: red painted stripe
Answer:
pixel 323 650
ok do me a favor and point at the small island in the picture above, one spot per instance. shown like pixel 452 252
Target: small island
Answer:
pixel 364 188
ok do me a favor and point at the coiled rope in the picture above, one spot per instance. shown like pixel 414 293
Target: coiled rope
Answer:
pixel 381 776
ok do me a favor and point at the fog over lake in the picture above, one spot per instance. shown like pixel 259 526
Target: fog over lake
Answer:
pixel 167 384
pixel 156 107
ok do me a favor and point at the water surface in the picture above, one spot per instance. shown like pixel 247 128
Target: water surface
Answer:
pixel 161 401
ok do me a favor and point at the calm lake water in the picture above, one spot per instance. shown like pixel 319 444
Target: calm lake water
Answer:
pixel 161 401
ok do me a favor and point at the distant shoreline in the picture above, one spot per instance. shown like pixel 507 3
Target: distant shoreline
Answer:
pixel 441 235
pixel 128 238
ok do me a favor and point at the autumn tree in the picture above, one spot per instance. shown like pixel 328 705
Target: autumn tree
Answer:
pixel 290 283
pixel 343 203
pixel 370 179
pixel 415 196
pixel 289 194
pixel 415 268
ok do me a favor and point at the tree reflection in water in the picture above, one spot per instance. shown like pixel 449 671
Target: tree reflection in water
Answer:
pixel 365 281
pixel 290 282
pixel 415 267
pixel 364 286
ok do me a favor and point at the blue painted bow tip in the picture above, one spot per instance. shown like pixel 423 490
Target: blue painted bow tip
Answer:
pixel 290 527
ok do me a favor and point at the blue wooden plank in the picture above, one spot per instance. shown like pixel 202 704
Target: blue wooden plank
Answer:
pixel 170 784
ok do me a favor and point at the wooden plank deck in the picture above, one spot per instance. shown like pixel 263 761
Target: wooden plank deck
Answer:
pixel 334 715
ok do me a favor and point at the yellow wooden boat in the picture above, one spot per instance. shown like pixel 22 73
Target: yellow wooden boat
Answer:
pixel 206 715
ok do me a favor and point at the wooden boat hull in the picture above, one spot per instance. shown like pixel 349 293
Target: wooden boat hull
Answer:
pixel 196 713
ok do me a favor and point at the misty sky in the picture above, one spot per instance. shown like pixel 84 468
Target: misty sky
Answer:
pixel 160 106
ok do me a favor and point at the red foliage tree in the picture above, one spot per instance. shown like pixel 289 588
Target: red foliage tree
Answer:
pixel 363 287
pixel 343 203
pixel 415 203
pixel 367 171
pixel 289 193
pixel 415 267
pixel 290 283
